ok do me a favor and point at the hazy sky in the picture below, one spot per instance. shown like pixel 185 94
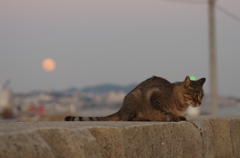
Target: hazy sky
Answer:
pixel 114 41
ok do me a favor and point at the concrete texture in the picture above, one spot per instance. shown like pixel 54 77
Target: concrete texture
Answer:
pixel 202 137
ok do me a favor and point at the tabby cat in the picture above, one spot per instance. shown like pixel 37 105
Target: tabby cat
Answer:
pixel 156 99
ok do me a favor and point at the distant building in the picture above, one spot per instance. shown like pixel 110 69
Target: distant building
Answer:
pixel 6 98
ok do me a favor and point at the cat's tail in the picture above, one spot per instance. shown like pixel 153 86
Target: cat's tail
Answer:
pixel 113 117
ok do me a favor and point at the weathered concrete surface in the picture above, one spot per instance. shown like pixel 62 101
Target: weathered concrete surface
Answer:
pixel 203 137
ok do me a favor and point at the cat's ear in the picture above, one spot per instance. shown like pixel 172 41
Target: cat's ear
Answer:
pixel 202 81
pixel 187 82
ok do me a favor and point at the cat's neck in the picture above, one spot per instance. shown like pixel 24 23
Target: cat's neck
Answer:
pixel 178 99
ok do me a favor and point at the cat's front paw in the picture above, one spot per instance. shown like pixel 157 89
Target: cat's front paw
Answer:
pixel 182 118
pixel 173 118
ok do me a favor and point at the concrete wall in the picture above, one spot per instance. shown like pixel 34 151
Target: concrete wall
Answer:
pixel 217 137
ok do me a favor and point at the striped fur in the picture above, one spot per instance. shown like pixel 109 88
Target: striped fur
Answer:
pixel 113 117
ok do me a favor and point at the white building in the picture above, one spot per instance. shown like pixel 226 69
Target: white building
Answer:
pixel 5 99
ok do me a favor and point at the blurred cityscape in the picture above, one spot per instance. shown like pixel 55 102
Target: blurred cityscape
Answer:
pixel 90 101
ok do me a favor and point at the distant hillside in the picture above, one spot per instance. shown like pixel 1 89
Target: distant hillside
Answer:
pixel 103 88
pixel 107 88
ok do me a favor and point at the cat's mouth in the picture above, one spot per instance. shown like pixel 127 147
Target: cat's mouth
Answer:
pixel 193 105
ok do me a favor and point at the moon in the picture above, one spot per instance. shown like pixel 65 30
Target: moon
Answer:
pixel 48 65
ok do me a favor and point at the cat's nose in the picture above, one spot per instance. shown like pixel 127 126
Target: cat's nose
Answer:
pixel 199 102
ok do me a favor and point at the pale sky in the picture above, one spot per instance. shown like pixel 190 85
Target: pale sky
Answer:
pixel 114 41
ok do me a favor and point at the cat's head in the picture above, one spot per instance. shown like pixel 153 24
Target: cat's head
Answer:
pixel 193 91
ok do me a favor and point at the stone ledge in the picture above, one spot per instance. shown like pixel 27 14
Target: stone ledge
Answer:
pixel 202 137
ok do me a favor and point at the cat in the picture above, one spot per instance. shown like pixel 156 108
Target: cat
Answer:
pixel 156 99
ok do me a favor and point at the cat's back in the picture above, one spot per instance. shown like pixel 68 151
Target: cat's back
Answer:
pixel 152 82
pixel 147 87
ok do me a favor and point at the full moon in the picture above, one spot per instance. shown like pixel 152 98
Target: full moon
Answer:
pixel 48 65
